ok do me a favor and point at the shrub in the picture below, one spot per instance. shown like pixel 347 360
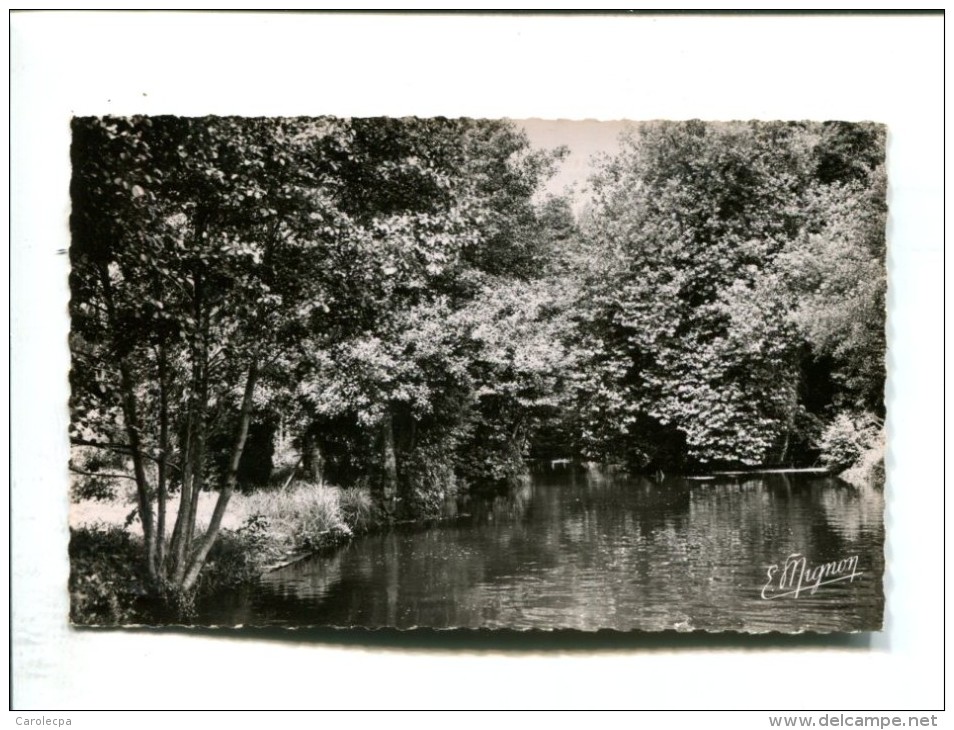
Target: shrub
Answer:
pixel 106 583
pixel 868 470
pixel 306 516
pixel 357 508
pixel 846 438
pixel 429 477
pixel 491 455
pixel 239 556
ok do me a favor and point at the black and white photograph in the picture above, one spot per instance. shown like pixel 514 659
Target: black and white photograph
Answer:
pixel 454 360
pixel 472 373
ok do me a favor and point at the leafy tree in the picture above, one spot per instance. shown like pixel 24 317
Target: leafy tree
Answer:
pixel 519 364
pixel 402 372
pixel 836 274
pixel 846 438
pixel 394 291
pixel 715 243
pixel 228 268
pixel 196 259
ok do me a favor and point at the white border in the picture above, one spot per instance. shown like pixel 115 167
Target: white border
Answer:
pixel 887 69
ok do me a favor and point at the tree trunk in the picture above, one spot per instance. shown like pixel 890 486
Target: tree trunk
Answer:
pixel 205 544
pixel 133 431
pixel 291 474
pixel 198 475
pixel 195 432
pixel 162 471
pixel 390 486
pixel 191 484
pixel 785 445
pixel 131 416
pixel 191 491
pixel 202 430
pixel 177 543
pixel 311 458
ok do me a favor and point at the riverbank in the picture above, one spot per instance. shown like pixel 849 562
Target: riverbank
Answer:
pixel 868 470
pixel 261 531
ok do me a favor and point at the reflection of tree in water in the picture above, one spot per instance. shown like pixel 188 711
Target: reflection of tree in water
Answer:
pixel 285 596
pixel 510 504
pixel 851 510
pixel 738 529
pixel 306 578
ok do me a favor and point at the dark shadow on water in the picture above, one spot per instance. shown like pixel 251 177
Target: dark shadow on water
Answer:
pixel 481 641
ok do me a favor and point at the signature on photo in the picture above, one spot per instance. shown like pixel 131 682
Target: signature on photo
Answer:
pixel 796 575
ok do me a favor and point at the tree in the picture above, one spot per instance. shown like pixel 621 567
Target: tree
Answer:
pixel 224 267
pixel 399 379
pixel 836 274
pixel 693 327
pixel 196 260
pixel 519 364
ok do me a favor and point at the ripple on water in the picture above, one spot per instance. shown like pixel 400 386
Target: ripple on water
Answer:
pixel 587 553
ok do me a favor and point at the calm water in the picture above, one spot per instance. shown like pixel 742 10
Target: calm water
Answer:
pixel 590 551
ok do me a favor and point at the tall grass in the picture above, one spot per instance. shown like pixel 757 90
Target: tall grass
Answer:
pixel 306 516
pixel 357 508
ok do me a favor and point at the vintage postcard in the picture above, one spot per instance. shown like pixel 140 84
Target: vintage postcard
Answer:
pixel 477 373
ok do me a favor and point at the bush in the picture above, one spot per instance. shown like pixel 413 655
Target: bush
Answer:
pixel 491 455
pixel 106 583
pixel 357 509
pixel 307 516
pixel 868 470
pixel 240 556
pixel 847 437
pixel 429 478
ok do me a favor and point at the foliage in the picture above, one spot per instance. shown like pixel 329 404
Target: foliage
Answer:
pixel 307 516
pixel 412 376
pixel 240 556
pixel 519 364
pixel 106 580
pixel 228 270
pixel 722 252
pixel 838 273
pixel 393 301
pixel 96 474
pixel 868 470
pixel 428 478
pixel 847 437
pixel 189 266
pixel 357 509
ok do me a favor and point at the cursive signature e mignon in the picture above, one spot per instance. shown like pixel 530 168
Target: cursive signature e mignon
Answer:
pixel 794 576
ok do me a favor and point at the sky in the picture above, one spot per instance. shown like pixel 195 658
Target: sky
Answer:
pixel 584 138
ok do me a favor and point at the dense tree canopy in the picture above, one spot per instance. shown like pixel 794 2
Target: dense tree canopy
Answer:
pixel 728 259
pixel 226 267
pixel 400 298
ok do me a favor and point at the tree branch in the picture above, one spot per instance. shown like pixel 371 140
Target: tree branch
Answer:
pixel 105 475
pixel 122 449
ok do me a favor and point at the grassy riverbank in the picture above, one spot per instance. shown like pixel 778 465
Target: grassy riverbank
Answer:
pixel 261 530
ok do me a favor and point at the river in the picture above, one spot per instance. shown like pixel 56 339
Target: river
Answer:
pixel 587 550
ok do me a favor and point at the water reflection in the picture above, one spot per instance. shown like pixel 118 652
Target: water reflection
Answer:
pixel 592 550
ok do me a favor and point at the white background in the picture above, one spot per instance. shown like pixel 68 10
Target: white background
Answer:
pixel 886 69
